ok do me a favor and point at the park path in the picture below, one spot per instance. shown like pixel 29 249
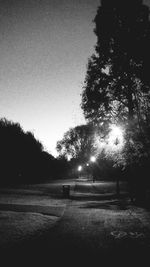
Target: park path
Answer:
pixel 91 231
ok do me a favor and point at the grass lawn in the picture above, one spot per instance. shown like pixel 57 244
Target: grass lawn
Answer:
pixel 74 225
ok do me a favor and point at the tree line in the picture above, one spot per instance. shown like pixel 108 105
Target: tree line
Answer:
pixel 23 159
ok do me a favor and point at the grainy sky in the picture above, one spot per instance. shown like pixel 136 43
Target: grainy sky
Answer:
pixel 44 47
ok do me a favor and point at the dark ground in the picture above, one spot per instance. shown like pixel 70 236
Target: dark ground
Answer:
pixel 84 236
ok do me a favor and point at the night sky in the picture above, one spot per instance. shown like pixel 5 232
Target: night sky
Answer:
pixel 44 48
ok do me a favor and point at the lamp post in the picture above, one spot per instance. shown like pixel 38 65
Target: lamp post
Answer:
pixel 117 176
pixel 116 142
pixel 93 160
pixel 87 170
pixel 79 170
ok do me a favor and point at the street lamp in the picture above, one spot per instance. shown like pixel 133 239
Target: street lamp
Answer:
pixel 79 169
pixel 116 138
pixel 116 142
pixel 93 160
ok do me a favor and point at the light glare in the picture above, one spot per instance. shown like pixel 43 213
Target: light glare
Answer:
pixel 79 168
pixel 115 138
pixel 92 159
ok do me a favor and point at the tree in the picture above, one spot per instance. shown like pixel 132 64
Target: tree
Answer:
pixel 77 142
pixel 20 154
pixel 117 83
pixel 23 159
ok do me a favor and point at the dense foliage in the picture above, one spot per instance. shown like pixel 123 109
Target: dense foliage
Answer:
pixel 117 85
pixel 77 143
pixel 22 157
pixel 117 80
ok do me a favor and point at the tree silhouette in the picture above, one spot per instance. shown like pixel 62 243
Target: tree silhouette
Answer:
pixel 117 82
pixel 77 143
pixel 22 157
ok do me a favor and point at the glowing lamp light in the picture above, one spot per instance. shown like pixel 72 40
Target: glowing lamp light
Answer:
pixel 79 168
pixel 116 131
pixel 116 138
pixel 92 159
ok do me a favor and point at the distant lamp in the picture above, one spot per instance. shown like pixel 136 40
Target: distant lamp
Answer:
pixel 79 168
pixel 92 159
